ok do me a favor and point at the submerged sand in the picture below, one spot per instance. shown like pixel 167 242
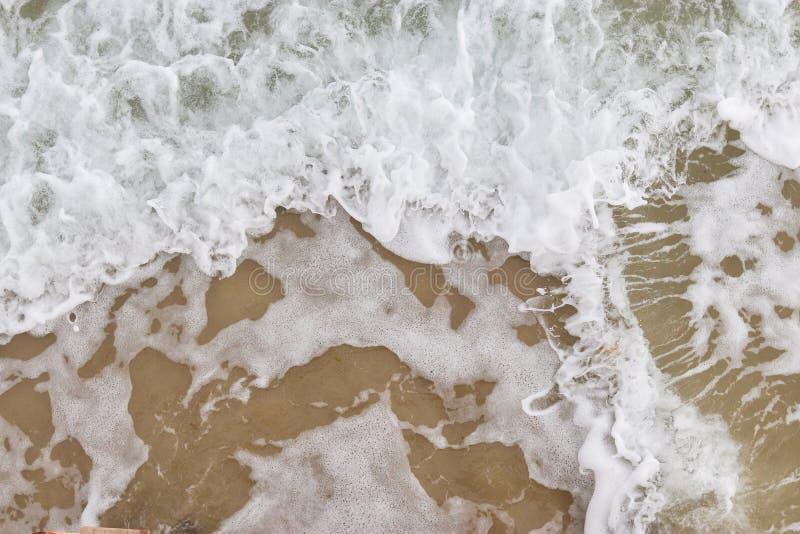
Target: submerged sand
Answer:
pixel 220 440
pixel 754 392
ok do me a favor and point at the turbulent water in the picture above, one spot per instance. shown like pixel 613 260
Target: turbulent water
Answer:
pixel 128 129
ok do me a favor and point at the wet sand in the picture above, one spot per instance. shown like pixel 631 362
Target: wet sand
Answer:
pixel 752 399
pixel 205 427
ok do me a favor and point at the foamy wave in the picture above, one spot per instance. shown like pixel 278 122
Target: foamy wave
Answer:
pixel 138 128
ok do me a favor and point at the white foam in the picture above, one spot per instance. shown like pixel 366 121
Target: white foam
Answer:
pixel 772 134
pixel 724 222
pixel 351 475
pixel 515 118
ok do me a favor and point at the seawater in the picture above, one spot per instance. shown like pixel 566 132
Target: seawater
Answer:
pixel 575 131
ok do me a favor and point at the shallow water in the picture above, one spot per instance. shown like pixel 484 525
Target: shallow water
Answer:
pixel 560 238
pixel 720 322
pixel 198 404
